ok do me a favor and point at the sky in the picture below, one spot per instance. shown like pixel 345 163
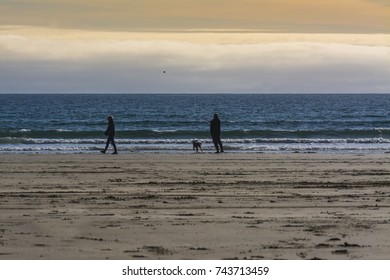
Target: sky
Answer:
pixel 194 46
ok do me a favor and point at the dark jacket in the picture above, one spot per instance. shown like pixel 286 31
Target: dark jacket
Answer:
pixel 215 127
pixel 110 132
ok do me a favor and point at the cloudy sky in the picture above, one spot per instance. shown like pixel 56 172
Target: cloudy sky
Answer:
pixel 195 46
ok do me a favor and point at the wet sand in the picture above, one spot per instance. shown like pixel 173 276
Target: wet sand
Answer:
pixel 195 206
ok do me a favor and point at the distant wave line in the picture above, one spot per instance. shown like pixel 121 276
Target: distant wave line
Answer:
pixel 169 141
pixel 195 134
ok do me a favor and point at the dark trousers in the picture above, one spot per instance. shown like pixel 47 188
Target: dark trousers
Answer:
pixel 217 143
pixel 111 140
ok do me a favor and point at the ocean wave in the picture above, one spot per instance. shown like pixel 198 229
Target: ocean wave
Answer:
pixel 166 141
pixel 171 133
pixel 17 145
pixel 15 140
pixel 188 148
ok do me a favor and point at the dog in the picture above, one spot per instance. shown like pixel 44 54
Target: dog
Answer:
pixel 196 145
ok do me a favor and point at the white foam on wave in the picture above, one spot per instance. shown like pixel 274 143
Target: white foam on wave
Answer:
pixel 186 146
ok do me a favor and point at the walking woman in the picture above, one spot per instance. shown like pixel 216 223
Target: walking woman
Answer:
pixel 110 133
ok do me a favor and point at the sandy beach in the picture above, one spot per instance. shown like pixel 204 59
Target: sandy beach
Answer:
pixel 194 206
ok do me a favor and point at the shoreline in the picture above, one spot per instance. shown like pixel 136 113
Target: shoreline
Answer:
pixel 195 206
pixel 205 151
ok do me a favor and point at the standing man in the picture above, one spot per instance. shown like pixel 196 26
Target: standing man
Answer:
pixel 215 131
pixel 110 133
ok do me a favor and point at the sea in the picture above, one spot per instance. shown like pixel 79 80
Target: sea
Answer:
pixel 167 123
